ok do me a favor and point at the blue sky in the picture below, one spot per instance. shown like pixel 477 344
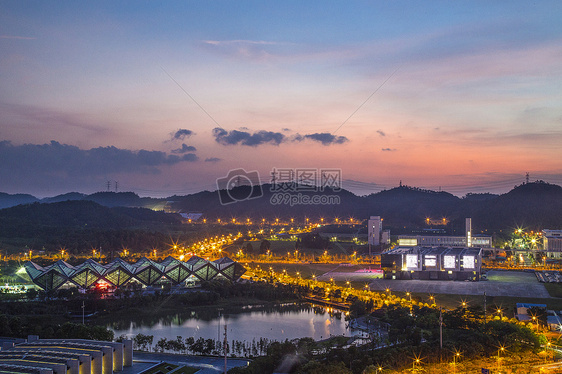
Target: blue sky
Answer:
pixel 459 95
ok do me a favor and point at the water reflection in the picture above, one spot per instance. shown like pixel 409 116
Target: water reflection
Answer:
pixel 275 322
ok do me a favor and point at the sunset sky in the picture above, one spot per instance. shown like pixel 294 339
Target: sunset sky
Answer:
pixel 166 97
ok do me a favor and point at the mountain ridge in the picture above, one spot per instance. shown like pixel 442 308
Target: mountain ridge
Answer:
pixel 532 205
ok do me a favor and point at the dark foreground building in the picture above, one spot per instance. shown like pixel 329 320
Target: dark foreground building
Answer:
pixel 64 356
pixel 439 263
pixel 118 272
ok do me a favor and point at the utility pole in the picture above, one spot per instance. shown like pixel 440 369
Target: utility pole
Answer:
pixel 484 308
pixel 440 334
pixel 83 312
pixel 225 346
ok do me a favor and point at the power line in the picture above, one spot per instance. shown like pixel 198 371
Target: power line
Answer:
pixel 191 97
pixel 364 102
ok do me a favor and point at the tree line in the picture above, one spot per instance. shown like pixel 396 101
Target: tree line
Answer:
pixel 201 346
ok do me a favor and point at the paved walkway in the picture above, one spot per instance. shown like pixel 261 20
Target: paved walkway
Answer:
pixel 207 365
pixel 367 277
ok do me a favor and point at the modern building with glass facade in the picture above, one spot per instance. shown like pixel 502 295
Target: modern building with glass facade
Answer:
pixel 438 263
pixel 145 271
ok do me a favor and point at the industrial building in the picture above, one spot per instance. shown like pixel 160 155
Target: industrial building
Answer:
pixel 552 243
pixel 145 271
pixel 468 240
pixel 64 356
pixel 376 235
pixel 432 263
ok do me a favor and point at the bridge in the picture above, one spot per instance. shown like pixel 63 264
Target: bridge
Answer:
pixel 332 304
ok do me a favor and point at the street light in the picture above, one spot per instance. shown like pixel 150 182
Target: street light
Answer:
pixel 456 356
pixel 416 362
pixel 501 349
pixel 500 312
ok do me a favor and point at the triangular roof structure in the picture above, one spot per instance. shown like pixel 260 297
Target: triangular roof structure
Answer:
pixel 118 272
pixel 147 271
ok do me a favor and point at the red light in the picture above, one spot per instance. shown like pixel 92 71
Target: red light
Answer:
pixel 102 285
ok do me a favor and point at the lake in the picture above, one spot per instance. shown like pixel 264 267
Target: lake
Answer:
pixel 279 322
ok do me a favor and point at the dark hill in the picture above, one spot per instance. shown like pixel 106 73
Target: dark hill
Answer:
pixel 250 203
pixel 476 197
pixel 113 199
pixel 64 197
pixel 81 225
pixel 7 200
pixel 81 214
pixel 532 206
pixel 109 199
pixel 409 206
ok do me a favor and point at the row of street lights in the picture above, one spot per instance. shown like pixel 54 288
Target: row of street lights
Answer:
pixel 417 361
pixel 307 221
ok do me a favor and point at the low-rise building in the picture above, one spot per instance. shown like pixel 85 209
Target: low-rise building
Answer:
pixel 65 356
pixel 552 243
pixel 436 240
pixel 438 263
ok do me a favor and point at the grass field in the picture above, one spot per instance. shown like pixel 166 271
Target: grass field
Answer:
pixel 554 289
